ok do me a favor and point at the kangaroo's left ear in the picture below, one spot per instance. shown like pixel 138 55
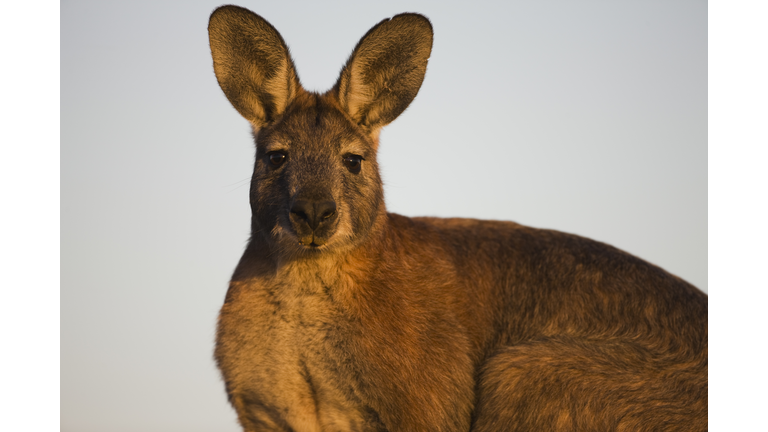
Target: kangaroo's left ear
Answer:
pixel 385 71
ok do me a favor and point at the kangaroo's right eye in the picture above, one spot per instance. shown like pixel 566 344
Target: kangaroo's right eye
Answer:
pixel 276 158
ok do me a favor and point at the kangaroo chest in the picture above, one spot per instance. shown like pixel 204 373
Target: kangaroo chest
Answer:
pixel 280 349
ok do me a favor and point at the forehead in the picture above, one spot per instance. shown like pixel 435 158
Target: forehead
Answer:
pixel 311 123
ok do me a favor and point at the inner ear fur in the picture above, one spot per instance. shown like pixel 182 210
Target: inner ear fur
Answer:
pixel 252 64
pixel 386 69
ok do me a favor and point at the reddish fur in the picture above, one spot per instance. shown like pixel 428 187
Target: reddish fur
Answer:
pixel 427 324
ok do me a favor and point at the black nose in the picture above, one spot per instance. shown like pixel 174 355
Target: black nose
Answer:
pixel 313 213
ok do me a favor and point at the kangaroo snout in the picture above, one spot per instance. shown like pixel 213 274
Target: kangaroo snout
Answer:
pixel 313 219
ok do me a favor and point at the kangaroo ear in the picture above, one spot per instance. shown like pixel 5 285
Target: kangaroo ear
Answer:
pixel 386 69
pixel 252 64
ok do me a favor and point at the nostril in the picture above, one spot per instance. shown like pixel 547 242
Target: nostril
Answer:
pixel 300 208
pixel 326 209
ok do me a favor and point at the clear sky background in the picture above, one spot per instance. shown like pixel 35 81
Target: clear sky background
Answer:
pixel 588 117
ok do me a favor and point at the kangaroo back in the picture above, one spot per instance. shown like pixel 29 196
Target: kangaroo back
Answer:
pixel 342 316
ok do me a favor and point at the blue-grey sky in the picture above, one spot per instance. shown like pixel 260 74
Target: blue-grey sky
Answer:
pixel 588 117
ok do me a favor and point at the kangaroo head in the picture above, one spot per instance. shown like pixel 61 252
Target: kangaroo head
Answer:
pixel 316 184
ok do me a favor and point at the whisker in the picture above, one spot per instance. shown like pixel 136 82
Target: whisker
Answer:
pixel 237 185
pixel 239 182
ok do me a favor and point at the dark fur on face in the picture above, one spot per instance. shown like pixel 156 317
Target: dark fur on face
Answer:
pixel 314 137
pixel 343 317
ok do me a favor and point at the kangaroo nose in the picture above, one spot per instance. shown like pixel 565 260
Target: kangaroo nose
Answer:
pixel 313 212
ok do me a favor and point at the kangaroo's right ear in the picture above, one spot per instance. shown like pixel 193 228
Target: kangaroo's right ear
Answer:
pixel 385 71
pixel 252 64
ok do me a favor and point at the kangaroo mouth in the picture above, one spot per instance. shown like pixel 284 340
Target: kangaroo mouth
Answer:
pixel 313 243
pixel 308 239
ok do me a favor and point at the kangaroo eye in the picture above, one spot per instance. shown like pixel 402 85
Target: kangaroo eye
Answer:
pixel 276 159
pixel 353 163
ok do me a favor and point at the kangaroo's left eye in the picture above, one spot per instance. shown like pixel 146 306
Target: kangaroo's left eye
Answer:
pixel 353 162
pixel 276 158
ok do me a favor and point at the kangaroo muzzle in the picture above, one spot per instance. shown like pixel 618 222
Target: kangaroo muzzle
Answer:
pixel 313 220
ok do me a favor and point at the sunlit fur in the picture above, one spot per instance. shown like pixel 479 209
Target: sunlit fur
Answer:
pixel 372 321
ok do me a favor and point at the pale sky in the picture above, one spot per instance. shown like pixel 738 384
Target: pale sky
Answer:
pixel 588 117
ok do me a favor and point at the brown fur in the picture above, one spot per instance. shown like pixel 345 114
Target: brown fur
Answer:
pixel 343 317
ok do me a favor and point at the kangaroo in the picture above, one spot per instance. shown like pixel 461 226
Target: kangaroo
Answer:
pixel 341 316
